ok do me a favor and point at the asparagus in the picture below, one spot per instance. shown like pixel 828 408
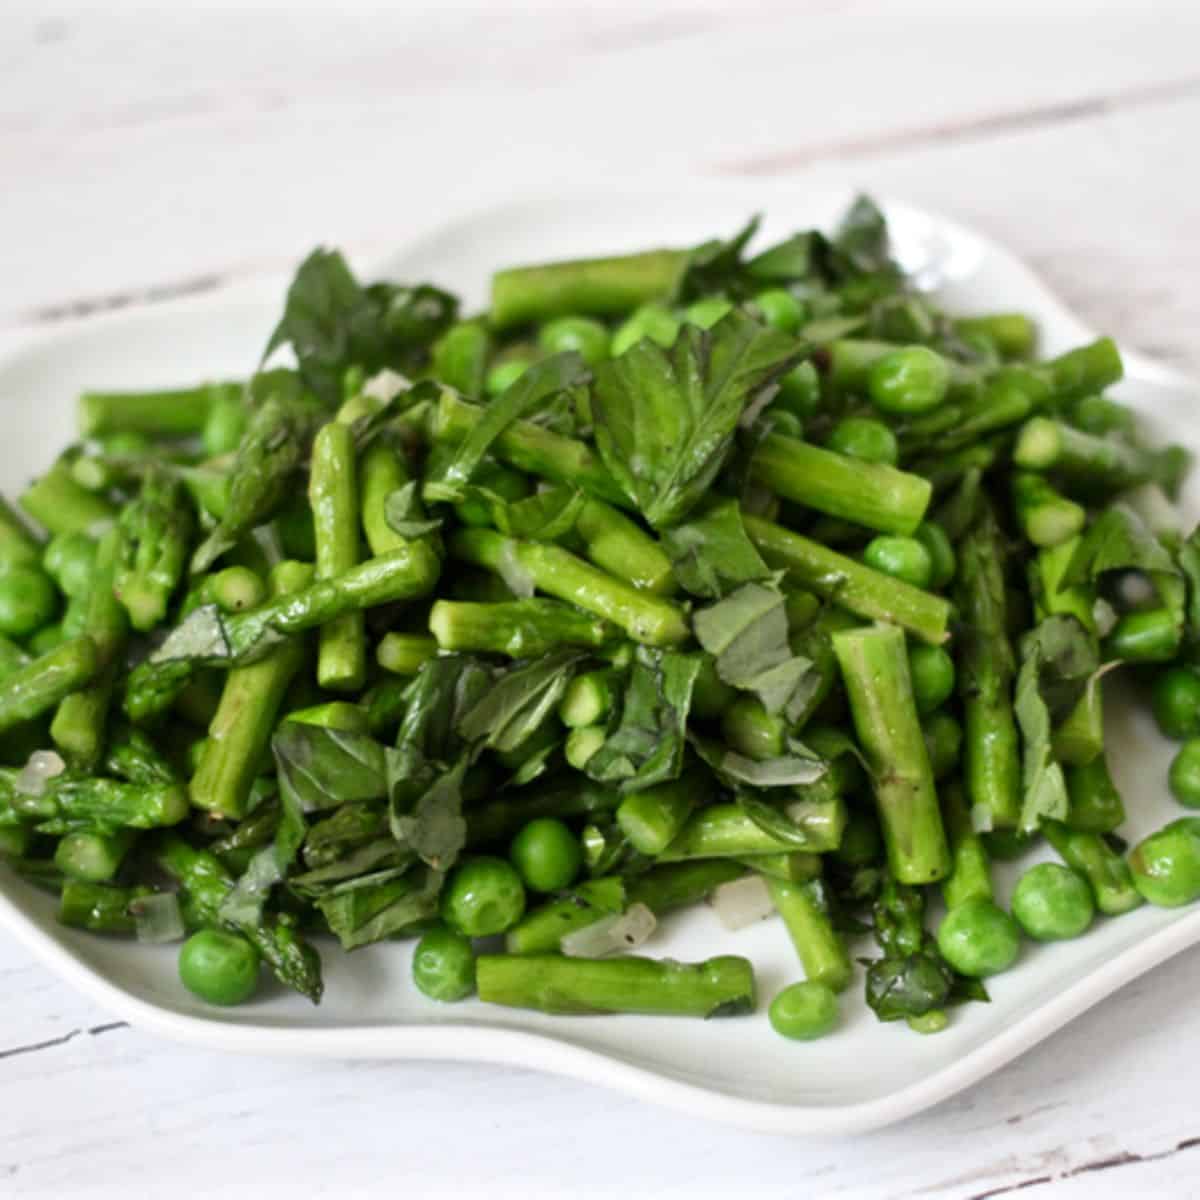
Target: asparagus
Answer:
pixel 805 911
pixel 1149 636
pixel 615 543
pixel 874 666
pixel 541 930
pixel 69 802
pixel 718 987
pixel 1045 444
pixel 985 677
pixel 333 495
pixel 652 819
pixel 241 729
pixel 43 683
pixel 871 494
pixel 531 448
pixel 60 505
pixel 381 472
pixel 589 698
pixel 1046 572
pixel 725 831
pixel 272 447
pixel 1013 334
pixel 98 907
pixel 206 883
pixel 403 653
pixel 645 618
pixel 399 575
pixel 1046 517
pixel 970 873
pixel 865 592
pixel 93 857
pixel 78 728
pixel 1096 805
pixel 599 287
pixel 518 628
pixel 151 551
pixel 1107 873
pixel 175 413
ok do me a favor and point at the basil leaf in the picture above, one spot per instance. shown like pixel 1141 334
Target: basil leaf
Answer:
pixel 798 766
pixel 370 914
pixel 646 746
pixel 747 633
pixel 861 244
pixel 1045 788
pixel 405 515
pixel 433 826
pixel 716 265
pixel 535 389
pixel 547 516
pixel 665 419
pixel 1117 540
pixel 518 700
pixel 712 554
pixel 1188 559
pixel 323 768
pixel 331 322
pixel 792 259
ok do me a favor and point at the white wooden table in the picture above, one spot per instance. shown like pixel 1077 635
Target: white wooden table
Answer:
pixel 144 155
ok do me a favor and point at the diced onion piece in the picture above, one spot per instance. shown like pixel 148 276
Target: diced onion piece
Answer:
pixel 1105 616
pixel 43 765
pixel 741 902
pixel 158 918
pixel 620 931
pixel 386 385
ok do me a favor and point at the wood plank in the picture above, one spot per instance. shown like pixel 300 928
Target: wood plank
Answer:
pixel 365 131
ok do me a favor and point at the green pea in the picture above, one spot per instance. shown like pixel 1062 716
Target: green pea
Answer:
pixel 1175 699
pixel 932 671
pixel 943 741
pixel 800 390
pixel 1166 865
pixel 28 600
pixel 900 557
pixel 227 421
pixel 945 563
pixel 707 312
pixel 504 374
pixel 979 939
pixel 865 439
pixel 780 309
pixel 651 321
pixel 1184 776
pixel 443 965
pixel 908 381
pixel 589 339
pixel 219 967
pixel 483 896
pixel 804 1011
pixel 547 855
pixel 69 559
pixel 46 639
pixel 1051 903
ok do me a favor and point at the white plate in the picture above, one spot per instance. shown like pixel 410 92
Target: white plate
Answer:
pixel 732 1070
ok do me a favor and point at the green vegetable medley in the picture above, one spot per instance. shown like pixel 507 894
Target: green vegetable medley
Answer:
pixel 747 575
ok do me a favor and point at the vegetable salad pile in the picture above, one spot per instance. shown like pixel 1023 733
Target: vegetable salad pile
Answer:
pixel 748 576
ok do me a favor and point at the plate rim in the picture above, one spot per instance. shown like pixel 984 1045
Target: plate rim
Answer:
pixel 544 1051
